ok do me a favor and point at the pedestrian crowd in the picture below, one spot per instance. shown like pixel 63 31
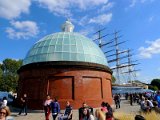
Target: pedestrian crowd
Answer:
pixel 86 112
pixel 147 101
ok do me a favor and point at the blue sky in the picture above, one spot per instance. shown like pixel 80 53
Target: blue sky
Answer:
pixel 23 22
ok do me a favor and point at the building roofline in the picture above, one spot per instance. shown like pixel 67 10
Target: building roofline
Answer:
pixel 66 64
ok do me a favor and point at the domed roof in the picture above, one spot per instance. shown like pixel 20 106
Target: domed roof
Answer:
pixel 65 46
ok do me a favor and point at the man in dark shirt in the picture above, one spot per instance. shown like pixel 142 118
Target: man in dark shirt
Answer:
pixel 24 105
pixel 117 100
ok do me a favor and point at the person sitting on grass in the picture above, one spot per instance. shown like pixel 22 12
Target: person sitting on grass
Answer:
pixel 157 110
pixel 145 105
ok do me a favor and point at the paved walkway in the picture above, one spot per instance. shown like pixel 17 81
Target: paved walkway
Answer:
pixel 39 115
pixel 127 108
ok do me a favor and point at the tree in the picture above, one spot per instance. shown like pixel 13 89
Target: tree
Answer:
pixel 154 88
pixel 1 74
pixel 9 81
pixel 156 82
pixel 113 79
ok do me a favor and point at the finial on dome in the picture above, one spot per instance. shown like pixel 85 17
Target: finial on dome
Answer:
pixel 67 26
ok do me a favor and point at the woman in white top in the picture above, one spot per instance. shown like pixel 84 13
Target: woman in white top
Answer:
pixel 4 101
pixel 47 108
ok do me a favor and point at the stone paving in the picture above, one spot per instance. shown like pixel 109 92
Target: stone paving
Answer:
pixel 39 115
pixel 127 108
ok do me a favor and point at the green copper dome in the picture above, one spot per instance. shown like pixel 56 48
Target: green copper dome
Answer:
pixel 65 46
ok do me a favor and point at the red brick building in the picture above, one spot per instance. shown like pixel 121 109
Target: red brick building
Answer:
pixel 67 66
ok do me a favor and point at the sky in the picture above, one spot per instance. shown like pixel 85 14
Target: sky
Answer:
pixel 24 22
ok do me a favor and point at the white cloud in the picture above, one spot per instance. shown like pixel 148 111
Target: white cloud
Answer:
pixel 101 19
pixel 135 2
pixel 63 7
pixel 84 4
pixel 23 29
pixel 153 48
pixel 107 6
pixel 87 31
pixel 83 20
pixel 58 7
pixel 10 9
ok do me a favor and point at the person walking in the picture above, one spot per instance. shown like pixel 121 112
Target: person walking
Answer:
pixel 131 99
pixel 47 107
pixel 117 100
pixel 55 107
pixel 24 100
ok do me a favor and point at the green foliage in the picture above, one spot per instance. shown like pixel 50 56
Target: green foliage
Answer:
pixel 8 74
pixel 11 66
pixel 113 79
pixel 154 88
pixel 156 82
pixel 1 74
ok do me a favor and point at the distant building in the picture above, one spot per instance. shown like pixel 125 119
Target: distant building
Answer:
pixel 140 84
pixel 134 87
pixel 68 66
pixel 135 83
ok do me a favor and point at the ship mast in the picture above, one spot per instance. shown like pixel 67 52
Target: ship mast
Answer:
pixel 115 55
